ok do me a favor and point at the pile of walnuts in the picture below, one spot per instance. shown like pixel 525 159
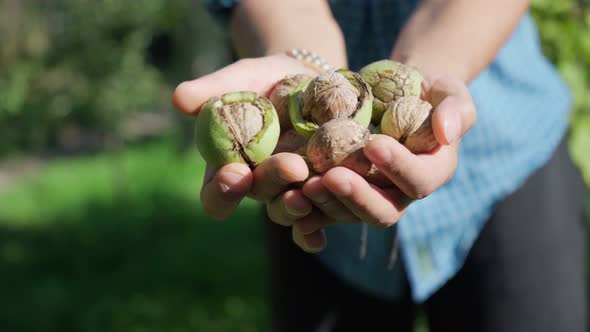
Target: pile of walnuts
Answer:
pixel 327 119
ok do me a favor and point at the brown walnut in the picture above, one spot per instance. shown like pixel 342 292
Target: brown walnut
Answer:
pixel 243 119
pixel 335 141
pixel 291 141
pixel 340 142
pixel 329 96
pixel 408 120
pixel 279 97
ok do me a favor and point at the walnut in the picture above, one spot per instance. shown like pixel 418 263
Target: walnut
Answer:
pixel 329 96
pixel 332 95
pixel 279 97
pixel 390 80
pixel 238 127
pixel 291 141
pixel 408 120
pixel 335 141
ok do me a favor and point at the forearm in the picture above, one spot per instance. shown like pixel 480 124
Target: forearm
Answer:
pixel 263 27
pixel 457 37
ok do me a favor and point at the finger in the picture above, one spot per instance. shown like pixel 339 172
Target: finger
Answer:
pixel 324 200
pixel 366 201
pixel 416 175
pixel 312 243
pixel 312 222
pixel 210 172
pixel 276 174
pixel 222 193
pixel 257 75
pixel 454 113
pixel 288 207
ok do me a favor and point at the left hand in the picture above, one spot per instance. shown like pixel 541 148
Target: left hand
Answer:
pixel 344 196
pixel 275 181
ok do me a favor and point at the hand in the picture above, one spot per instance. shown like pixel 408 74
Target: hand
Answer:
pixel 272 181
pixel 343 195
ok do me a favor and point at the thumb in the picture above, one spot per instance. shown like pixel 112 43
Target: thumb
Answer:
pixel 454 114
pixel 257 75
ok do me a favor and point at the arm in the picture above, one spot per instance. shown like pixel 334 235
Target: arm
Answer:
pixel 457 37
pixel 266 27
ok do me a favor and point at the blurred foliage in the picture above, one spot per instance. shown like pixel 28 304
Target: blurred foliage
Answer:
pixel 565 33
pixel 564 28
pixel 75 258
pixel 91 62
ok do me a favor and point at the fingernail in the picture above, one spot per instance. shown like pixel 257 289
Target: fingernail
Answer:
pixel 305 226
pixel 296 205
pixel 230 180
pixel 321 197
pixel 452 127
pixel 377 153
pixel 296 212
pixel 316 241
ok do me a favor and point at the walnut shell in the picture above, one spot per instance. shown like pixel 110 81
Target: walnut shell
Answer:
pixel 279 97
pixel 340 142
pixel 329 96
pixel 244 120
pixel 339 94
pixel 291 141
pixel 238 127
pixel 335 141
pixel 408 120
pixel 390 80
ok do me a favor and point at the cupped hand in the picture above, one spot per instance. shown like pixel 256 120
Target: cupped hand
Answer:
pixel 275 180
pixel 341 194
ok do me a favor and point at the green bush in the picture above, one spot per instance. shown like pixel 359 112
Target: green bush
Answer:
pixel 565 33
pixel 565 36
pixel 87 63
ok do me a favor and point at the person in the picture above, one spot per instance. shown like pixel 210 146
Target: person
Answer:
pixel 490 224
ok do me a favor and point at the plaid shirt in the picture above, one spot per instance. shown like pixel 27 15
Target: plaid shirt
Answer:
pixel 523 111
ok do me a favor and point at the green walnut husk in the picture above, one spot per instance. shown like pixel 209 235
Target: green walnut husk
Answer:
pixel 389 81
pixel 238 127
pixel 332 95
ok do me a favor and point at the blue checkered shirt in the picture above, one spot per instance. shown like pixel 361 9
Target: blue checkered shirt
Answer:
pixel 523 108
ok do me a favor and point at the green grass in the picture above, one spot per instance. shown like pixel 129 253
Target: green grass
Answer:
pixel 74 256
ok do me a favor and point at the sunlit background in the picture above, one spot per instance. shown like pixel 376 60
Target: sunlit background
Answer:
pixel 100 223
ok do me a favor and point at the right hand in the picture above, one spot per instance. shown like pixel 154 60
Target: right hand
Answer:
pixel 273 180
